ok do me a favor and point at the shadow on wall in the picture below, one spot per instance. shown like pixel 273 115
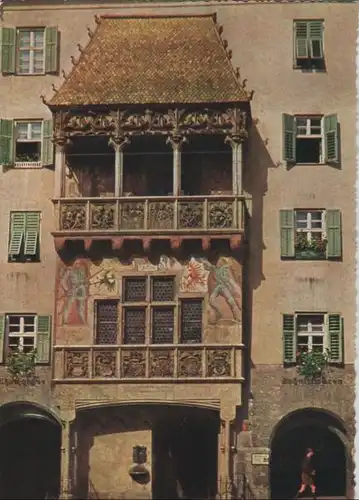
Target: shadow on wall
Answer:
pixel 105 452
pixel 257 162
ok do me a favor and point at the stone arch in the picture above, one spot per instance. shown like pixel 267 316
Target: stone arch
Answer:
pixel 298 430
pixel 30 449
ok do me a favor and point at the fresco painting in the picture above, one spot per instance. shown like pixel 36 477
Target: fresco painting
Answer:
pixel 72 293
pixel 222 281
pixel 224 290
pixel 194 277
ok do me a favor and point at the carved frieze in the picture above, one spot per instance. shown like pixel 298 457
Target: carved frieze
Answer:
pixel 190 363
pixel 161 363
pixel 220 214
pixel 104 364
pixel 132 215
pixel 133 364
pixel 191 215
pixel 73 216
pixel 219 363
pixel 175 121
pixel 160 215
pixel 77 364
pixel 103 216
pixel 89 124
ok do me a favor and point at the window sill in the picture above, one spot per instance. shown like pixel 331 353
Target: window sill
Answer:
pixel 310 255
pixel 30 74
pixel 28 164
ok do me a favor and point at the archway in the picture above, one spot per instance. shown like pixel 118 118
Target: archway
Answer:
pixel 296 432
pixel 30 453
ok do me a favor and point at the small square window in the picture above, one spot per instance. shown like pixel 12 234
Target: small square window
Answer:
pixel 135 289
pixel 28 137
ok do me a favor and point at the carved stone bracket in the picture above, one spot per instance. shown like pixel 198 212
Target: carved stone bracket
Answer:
pixel 146 242
pixel 117 243
pixel 176 243
pixel 235 242
pixel 59 243
pixel 176 140
pixel 119 142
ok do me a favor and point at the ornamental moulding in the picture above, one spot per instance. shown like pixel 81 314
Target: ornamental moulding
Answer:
pixel 174 122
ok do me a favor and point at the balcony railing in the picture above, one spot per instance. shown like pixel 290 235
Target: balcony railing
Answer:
pixel 151 214
pixel 154 362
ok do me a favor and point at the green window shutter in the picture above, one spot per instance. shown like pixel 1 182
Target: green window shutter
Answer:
pixel 289 339
pixel 6 142
pixel 286 233
pixel 335 332
pixel 51 49
pixel 289 138
pixel 331 139
pixel 334 233
pixel 47 148
pixel 315 29
pixel 2 336
pixel 8 50
pixel 43 339
pixel 301 40
pixel 17 232
pixel 32 233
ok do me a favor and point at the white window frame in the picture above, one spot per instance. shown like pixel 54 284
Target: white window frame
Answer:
pixel 21 334
pixel 28 139
pixel 308 133
pixel 310 333
pixel 31 49
pixel 309 229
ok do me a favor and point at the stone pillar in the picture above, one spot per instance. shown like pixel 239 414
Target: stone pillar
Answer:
pixel 66 451
pixel 59 184
pixel 237 163
pixel 176 142
pixel 118 144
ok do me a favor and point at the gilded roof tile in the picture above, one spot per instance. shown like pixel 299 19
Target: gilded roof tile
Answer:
pixel 147 60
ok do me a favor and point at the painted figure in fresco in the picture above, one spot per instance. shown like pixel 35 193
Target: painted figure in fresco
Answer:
pixel 74 285
pixel 224 286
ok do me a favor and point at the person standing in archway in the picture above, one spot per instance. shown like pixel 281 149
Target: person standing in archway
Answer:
pixel 308 473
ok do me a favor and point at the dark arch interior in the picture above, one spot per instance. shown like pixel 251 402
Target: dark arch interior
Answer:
pixel 30 453
pixel 185 455
pixel 287 453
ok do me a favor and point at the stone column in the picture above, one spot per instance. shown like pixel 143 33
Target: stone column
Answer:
pixel 65 493
pixel 59 184
pixel 176 142
pixel 118 144
pixel 237 163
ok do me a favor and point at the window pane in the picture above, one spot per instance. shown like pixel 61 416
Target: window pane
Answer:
pixel 29 324
pixel 301 122
pixel 14 342
pixel 21 129
pixel 316 47
pixel 38 39
pixel 191 321
pixel 162 325
pixel 301 219
pixel 316 216
pixel 317 340
pixel 14 324
pixel 24 38
pixel 302 324
pixel 162 289
pixel 134 325
pixel 135 289
pixel 36 130
pixel 107 322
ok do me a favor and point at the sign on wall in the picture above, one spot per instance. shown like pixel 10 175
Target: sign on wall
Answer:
pixel 260 459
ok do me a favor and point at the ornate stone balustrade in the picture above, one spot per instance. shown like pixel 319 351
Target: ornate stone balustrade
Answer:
pixel 134 215
pixel 155 362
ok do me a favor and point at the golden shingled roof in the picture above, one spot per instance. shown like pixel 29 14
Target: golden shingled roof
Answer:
pixel 148 60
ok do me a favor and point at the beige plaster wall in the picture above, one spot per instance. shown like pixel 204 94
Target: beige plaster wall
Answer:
pixel 260 37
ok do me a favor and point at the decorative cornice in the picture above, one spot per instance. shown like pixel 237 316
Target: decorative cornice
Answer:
pixel 175 123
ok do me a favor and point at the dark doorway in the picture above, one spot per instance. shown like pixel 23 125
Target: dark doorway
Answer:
pixel 185 458
pixel 287 453
pixel 30 454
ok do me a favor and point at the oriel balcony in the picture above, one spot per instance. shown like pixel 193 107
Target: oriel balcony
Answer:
pixel 150 187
